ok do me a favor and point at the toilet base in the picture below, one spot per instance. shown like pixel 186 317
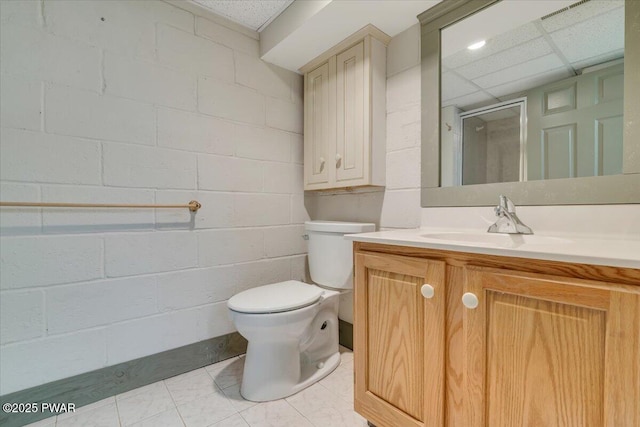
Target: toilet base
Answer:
pixel 280 379
pixel 289 351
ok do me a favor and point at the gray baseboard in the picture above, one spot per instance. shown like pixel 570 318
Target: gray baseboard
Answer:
pixel 96 385
pixel 345 334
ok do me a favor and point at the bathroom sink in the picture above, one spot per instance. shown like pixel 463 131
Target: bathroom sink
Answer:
pixel 494 239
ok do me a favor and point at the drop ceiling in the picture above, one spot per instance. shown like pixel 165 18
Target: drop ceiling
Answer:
pixel 531 54
pixel 253 14
pixel 293 33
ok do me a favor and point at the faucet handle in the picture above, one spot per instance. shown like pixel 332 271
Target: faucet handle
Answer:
pixel 507 204
pixel 508 221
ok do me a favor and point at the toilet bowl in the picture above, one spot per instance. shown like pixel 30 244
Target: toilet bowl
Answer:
pixel 281 359
pixel 291 326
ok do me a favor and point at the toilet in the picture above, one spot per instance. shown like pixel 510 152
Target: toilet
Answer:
pixel 291 326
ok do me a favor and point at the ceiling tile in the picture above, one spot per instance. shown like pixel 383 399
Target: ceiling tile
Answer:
pixel 518 87
pixel 599 59
pixel 507 58
pixel 495 45
pixel 580 13
pixel 250 13
pixel 520 71
pixel 453 86
pixel 471 101
pixel 593 37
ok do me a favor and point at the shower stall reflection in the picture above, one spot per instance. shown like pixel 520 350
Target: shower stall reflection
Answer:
pixel 485 145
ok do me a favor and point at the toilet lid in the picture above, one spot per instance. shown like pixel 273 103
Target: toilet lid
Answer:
pixel 274 298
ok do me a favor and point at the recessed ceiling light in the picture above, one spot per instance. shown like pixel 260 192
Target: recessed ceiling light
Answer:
pixel 477 45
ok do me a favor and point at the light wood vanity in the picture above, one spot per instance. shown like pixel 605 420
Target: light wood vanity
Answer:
pixel 550 343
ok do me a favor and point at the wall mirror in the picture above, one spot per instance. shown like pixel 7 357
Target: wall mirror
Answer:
pixel 533 99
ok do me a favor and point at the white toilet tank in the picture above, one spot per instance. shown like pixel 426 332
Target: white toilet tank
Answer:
pixel 330 255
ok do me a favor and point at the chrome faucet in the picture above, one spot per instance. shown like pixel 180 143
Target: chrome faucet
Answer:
pixel 508 222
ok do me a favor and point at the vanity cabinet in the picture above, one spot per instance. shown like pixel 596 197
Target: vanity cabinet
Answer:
pixel 345 114
pixel 398 361
pixel 536 343
pixel 549 351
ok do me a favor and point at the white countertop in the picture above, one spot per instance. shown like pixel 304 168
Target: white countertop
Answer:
pixel 568 248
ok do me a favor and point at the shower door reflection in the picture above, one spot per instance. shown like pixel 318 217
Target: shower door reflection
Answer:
pixel 493 144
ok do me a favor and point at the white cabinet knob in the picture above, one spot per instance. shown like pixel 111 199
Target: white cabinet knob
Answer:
pixel 321 160
pixel 470 300
pixel 427 291
pixel 338 158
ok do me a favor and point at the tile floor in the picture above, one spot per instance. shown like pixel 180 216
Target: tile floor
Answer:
pixel 211 397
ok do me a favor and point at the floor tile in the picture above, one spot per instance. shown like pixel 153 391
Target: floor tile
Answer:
pixel 87 408
pixel 339 419
pixel 150 388
pixel 324 408
pixel 146 402
pixel 47 422
pixel 346 364
pixel 274 414
pixel 316 401
pixel 228 375
pixel 168 418
pixel 206 410
pixel 233 421
pixel 345 354
pixel 190 386
pixel 101 416
pixel 236 399
pixel 222 364
pixel 340 382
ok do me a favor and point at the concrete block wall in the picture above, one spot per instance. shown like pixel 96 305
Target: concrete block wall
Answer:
pixel 137 102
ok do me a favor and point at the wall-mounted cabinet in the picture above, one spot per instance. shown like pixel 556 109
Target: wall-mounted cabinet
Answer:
pixel 345 114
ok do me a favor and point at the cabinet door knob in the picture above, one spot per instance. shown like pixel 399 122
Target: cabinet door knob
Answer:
pixel 338 158
pixel 321 161
pixel 470 300
pixel 427 291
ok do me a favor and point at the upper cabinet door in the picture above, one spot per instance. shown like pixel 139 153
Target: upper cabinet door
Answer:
pixel 351 109
pixel 547 351
pixel 345 113
pixel 399 340
pixel 318 125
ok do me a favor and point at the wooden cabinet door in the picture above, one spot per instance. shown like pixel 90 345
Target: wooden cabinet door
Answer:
pixel 319 128
pixel 399 340
pixel 547 351
pixel 351 108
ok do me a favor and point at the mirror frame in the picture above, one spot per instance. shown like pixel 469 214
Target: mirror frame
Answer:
pixel 609 189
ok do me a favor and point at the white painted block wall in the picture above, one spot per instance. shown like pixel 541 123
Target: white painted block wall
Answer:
pixel 137 102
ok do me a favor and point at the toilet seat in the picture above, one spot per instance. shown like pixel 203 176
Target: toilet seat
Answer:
pixel 275 298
